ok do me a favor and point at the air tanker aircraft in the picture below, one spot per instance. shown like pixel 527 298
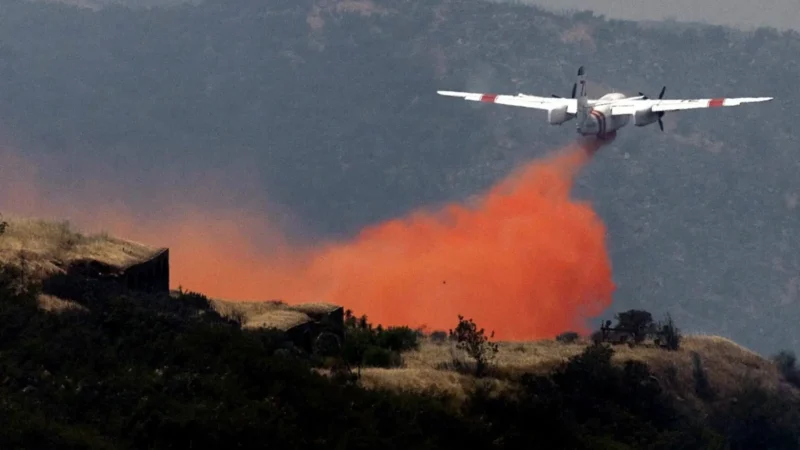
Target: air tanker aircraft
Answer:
pixel 604 116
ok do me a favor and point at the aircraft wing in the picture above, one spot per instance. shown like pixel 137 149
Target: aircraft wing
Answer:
pixel 624 107
pixel 520 100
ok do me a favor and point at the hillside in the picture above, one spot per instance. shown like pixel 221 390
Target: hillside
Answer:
pixel 45 249
pixel 49 247
pixel 726 363
pixel 702 218
pixel 162 370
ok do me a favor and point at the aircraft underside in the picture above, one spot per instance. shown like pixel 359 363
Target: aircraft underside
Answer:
pixel 599 122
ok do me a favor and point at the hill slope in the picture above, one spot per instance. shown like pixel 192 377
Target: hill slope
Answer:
pixel 332 105
pixel 166 371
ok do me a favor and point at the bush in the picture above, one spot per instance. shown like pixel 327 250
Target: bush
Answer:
pixel 475 343
pixel 758 418
pixel 398 339
pixel 669 336
pixel 590 402
pixel 702 386
pixel 438 336
pixel 786 362
pixel 568 337
pixel 638 322
pixel 381 357
pixel 366 345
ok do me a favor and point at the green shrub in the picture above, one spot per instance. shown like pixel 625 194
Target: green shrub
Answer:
pixel 669 336
pixel 702 386
pixel 568 337
pixel 786 361
pixel 438 336
pixel 398 339
pixel 638 322
pixel 381 357
pixel 474 341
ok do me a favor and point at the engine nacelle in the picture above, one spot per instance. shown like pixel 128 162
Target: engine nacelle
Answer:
pixel 644 116
pixel 559 115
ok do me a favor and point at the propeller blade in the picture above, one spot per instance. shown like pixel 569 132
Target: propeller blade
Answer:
pixel 643 95
pixel 574 89
pixel 661 95
pixel 556 96
pixel 660 124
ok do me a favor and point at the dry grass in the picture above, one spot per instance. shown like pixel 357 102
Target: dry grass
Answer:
pixel 420 379
pixel 54 304
pixel 315 308
pixel 270 314
pixel 42 248
pixel 282 319
pixel 726 363
pixel 47 246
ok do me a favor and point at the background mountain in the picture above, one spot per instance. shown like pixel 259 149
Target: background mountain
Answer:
pixel 330 106
pixel 781 14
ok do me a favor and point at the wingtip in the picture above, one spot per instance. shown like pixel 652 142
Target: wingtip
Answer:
pixel 452 93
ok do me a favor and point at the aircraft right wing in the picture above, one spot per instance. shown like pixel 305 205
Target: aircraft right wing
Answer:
pixel 627 106
pixel 521 100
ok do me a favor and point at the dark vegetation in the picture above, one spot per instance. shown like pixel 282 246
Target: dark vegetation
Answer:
pixel 787 364
pixel 368 345
pixel 475 343
pixel 149 371
pixel 568 337
pixel 634 327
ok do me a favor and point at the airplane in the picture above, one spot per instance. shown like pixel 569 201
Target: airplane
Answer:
pixel 604 116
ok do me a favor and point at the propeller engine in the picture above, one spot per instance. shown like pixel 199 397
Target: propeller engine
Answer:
pixel 660 114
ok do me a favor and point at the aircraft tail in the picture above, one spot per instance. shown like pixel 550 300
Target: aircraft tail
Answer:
pixel 582 97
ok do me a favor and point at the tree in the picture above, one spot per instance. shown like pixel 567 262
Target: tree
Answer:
pixel 475 343
pixel 638 322
pixel 669 337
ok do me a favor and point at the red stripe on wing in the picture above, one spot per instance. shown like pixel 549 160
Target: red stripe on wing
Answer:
pixel 488 98
pixel 716 102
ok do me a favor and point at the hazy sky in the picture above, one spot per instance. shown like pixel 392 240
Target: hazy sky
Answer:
pixel 780 14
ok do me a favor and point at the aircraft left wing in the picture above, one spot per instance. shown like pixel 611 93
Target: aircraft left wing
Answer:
pixel 624 107
pixel 521 100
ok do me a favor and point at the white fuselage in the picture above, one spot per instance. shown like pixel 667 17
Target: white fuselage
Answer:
pixel 599 121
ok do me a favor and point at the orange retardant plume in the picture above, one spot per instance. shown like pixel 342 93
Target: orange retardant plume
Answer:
pixel 526 261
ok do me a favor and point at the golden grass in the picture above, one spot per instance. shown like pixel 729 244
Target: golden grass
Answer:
pixel 726 364
pixel 270 314
pixel 54 304
pixel 315 308
pixel 282 319
pixel 249 309
pixel 47 245
pixel 420 379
